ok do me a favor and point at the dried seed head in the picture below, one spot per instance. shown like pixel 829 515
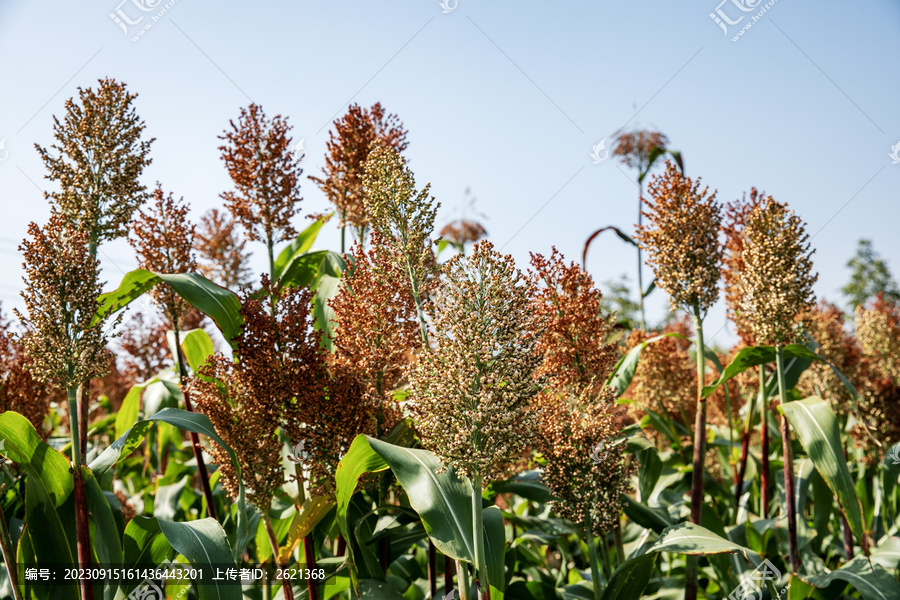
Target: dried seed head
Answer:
pixel 98 161
pixel 221 248
pixel 574 344
pixel 65 345
pixel 266 176
pixel 470 394
pixel 19 390
pixel 163 238
pixel 778 272
pixel 733 263
pixel 348 149
pixel 401 216
pixel 825 324
pixel 375 319
pixel 681 239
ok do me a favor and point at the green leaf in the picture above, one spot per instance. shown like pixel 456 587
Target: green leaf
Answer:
pixel 301 244
pixel 106 547
pixel 220 304
pixel 627 365
pixel 203 542
pixel 50 485
pixel 817 429
pixel 753 356
pixel 873 581
pixel 326 289
pixel 495 550
pixel 186 421
pixel 587 244
pixel 197 346
pixel 630 578
pixel 128 412
pixel 359 460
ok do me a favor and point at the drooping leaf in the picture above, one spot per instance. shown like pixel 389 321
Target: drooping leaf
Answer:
pixel 220 304
pixel 817 429
pixel 186 421
pixel 301 244
pixel 203 543
pixel 197 346
pixel 873 582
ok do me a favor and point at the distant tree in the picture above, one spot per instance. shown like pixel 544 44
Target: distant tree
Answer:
pixel 869 276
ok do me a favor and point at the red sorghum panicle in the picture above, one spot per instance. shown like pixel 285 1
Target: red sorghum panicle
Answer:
pixel 65 345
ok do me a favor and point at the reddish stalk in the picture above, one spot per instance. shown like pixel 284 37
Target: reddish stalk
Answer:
pixel 309 552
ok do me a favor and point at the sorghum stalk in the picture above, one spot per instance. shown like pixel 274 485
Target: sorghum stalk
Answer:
pixel 592 554
pixel 478 534
pixel 699 451
pixel 789 483
pixel 8 558
pixel 82 533
pixel 462 574
pixel 745 443
pixel 273 542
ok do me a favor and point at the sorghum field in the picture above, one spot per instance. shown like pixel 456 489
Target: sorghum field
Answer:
pixel 413 415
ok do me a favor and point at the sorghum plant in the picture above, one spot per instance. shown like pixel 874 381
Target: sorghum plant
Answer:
pixel 349 145
pixel 684 252
pixel 471 393
pixel 221 250
pixel 779 277
pixel 576 419
pixel 65 345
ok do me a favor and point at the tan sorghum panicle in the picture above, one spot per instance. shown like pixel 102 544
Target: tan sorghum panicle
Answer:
pixel 878 330
pixel 470 394
pixel 666 381
pixel 62 284
pixel 633 147
pixel 19 390
pixel 574 344
pixel 778 272
pixel 375 320
pixel 97 161
pixel 348 148
pixel 586 467
pixel 401 216
pixel 265 173
pixel 163 238
pixel 681 239
pixel 733 262
pixel 221 249
pixel 825 324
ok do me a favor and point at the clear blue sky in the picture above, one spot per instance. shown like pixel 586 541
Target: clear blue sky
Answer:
pixel 504 98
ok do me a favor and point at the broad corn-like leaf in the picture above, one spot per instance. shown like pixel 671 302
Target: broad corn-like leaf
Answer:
pixel 817 429
pixel 203 543
pixel 221 305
